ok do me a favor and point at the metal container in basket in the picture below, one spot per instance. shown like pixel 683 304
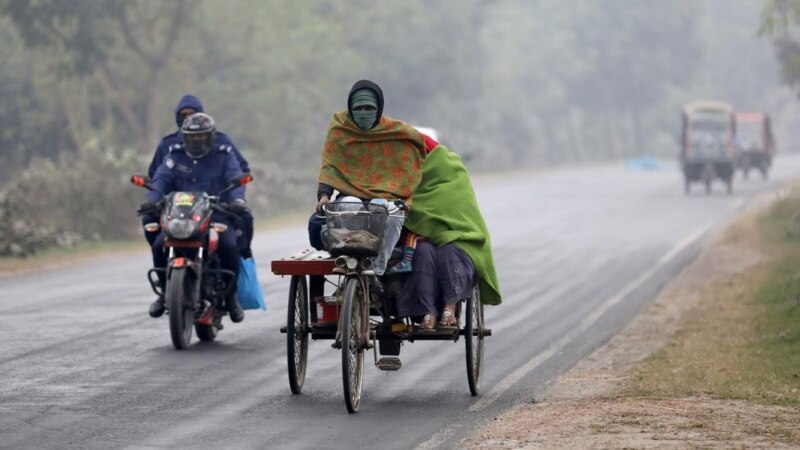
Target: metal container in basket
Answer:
pixel 355 228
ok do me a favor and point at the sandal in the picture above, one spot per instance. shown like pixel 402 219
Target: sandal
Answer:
pixel 428 323
pixel 448 319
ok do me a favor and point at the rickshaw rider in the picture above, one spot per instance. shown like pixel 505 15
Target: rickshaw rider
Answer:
pixel 369 155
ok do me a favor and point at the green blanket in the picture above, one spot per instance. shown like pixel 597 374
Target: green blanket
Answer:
pixel 445 210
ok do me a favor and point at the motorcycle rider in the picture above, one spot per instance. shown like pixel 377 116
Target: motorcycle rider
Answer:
pixel 188 105
pixel 200 165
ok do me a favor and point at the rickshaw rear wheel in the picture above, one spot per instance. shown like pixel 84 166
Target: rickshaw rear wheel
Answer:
pixel 297 332
pixel 473 337
pixel 353 328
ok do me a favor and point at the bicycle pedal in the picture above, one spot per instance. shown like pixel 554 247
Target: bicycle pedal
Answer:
pixel 389 363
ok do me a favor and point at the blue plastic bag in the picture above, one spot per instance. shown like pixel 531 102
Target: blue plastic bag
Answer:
pixel 248 291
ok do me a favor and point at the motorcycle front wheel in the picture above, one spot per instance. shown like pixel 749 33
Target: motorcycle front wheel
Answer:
pixel 181 315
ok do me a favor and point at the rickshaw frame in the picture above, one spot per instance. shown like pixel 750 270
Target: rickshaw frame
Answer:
pixel 356 310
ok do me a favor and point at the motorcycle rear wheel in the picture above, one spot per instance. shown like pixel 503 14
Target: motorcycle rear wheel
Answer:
pixel 181 315
pixel 206 333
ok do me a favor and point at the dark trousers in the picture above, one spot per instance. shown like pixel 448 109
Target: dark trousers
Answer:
pixel 440 276
pixel 150 235
pixel 315 223
pixel 245 238
pixel 227 250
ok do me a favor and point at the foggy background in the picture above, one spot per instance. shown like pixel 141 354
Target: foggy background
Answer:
pixel 89 88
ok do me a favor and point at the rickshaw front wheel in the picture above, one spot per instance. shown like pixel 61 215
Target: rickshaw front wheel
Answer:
pixel 353 324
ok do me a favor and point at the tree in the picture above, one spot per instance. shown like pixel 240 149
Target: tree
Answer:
pixel 123 46
pixel 780 22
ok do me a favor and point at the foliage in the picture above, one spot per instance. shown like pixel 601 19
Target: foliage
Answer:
pixel 80 197
pixel 780 21
pixel 510 83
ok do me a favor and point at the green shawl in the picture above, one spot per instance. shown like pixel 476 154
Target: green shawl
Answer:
pixel 383 162
pixel 446 210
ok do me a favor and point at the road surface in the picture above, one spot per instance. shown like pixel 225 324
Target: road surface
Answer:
pixel 579 252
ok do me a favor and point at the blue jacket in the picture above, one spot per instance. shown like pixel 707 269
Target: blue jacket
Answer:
pixel 175 140
pixel 211 174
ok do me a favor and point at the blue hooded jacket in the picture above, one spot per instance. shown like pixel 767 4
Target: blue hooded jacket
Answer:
pixel 174 141
pixel 211 174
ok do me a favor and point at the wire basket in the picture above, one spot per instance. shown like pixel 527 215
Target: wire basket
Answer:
pixel 355 228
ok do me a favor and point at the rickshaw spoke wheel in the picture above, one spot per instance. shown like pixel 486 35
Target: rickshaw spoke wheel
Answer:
pixel 296 332
pixel 353 326
pixel 473 337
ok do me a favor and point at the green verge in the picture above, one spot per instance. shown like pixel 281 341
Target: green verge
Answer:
pixel 742 341
pixel 60 257
pixel 57 257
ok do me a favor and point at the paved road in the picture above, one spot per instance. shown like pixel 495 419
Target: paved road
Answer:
pixel 579 252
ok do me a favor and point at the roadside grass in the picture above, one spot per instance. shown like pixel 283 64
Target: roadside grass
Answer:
pixel 60 257
pixel 742 342
pixel 732 368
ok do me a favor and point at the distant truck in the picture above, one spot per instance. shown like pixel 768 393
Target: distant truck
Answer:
pixel 753 142
pixel 707 151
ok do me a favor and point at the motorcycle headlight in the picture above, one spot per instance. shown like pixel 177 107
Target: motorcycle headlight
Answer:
pixel 181 228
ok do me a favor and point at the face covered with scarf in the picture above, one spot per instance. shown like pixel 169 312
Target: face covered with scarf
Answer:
pixel 371 155
pixel 363 108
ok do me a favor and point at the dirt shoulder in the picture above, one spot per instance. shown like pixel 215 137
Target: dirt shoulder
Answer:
pixel 601 402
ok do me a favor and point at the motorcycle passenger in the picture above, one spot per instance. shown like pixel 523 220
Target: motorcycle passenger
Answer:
pixel 188 105
pixel 370 156
pixel 200 166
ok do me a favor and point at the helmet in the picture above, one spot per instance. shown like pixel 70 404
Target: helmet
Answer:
pixel 198 132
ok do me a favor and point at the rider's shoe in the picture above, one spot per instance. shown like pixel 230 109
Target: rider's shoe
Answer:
pixel 157 308
pixel 235 310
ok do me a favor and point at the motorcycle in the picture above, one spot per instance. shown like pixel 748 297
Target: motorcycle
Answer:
pixel 196 287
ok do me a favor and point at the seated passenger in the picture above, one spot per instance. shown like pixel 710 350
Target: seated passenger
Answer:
pixel 454 252
pixel 368 155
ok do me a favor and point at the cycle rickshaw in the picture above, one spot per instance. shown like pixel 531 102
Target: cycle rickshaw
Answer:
pixel 355 317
